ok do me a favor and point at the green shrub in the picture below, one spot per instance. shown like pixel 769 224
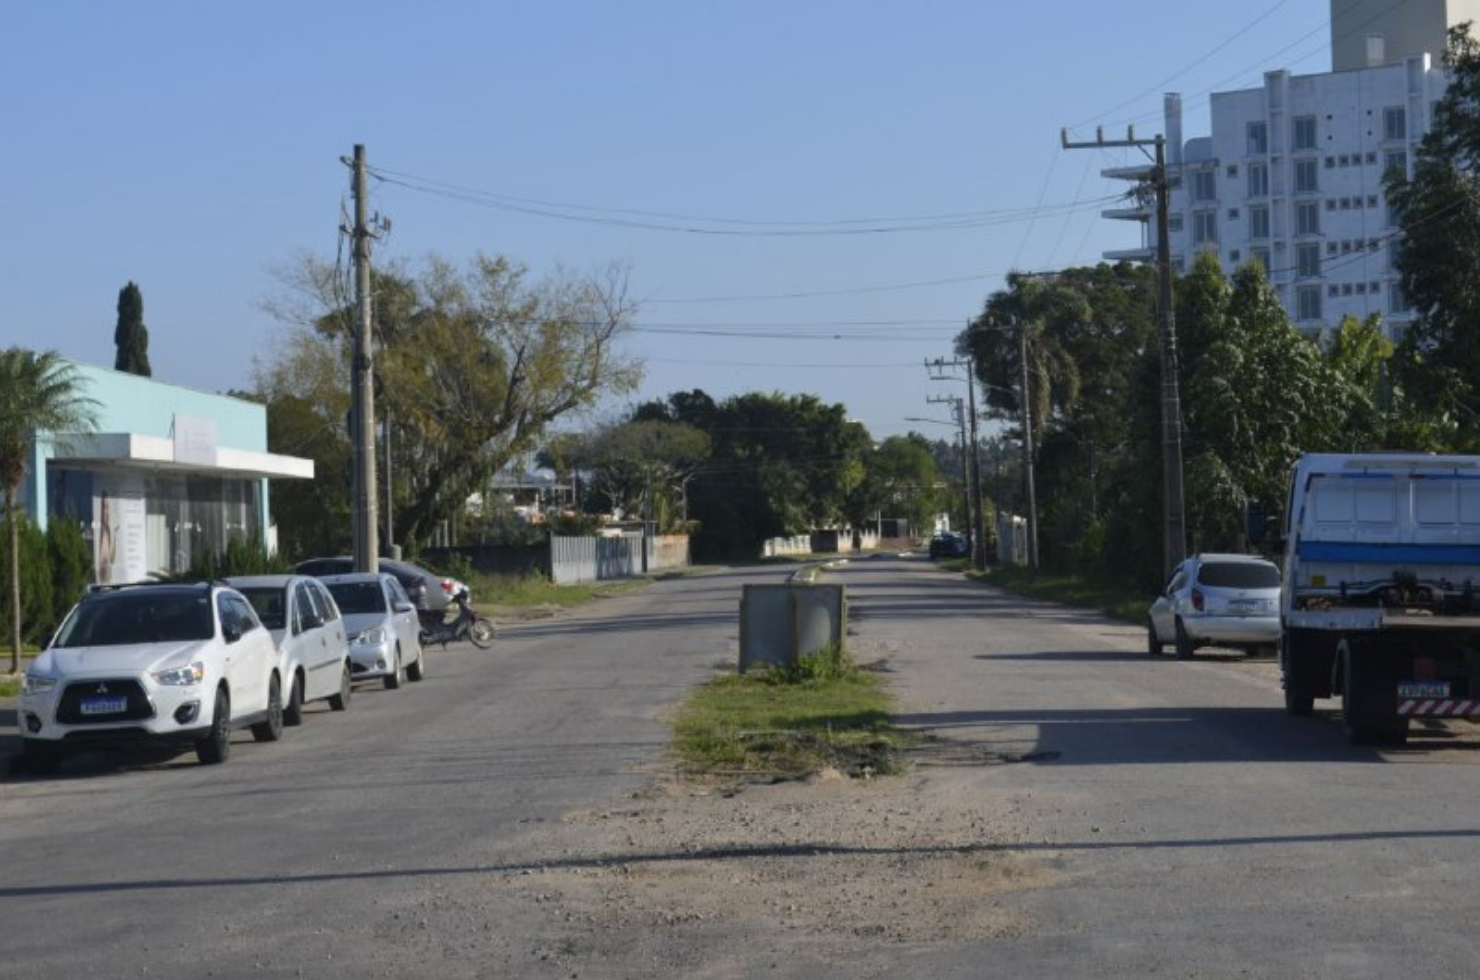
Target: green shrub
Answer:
pixel 242 556
pixel 38 617
pixel 831 663
pixel 71 563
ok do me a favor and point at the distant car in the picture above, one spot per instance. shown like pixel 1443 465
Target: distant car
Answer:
pixel 426 589
pixel 305 624
pixel 949 544
pixel 384 634
pixel 153 663
pixel 1217 600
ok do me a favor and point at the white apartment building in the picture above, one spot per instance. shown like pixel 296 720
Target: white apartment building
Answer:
pixel 1292 172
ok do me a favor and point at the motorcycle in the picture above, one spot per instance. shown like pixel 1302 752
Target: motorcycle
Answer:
pixel 466 625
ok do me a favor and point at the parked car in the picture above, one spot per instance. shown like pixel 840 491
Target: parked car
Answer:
pixel 152 663
pixel 384 634
pixel 312 645
pixel 426 589
pixel 949 544
pixel 1217 600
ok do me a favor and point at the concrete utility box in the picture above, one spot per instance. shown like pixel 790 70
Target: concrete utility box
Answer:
pixel 781 623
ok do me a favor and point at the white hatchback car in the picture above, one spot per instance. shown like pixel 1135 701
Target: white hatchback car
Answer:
pixel 1218 600
pixel 306 625
pixel 384 635
pixel 152 663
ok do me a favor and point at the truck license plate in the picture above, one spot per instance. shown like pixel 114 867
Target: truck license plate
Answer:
pixel 1426 689
pixel 104 706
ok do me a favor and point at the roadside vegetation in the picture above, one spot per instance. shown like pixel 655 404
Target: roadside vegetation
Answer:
pixel 1116 601
pixel 787 723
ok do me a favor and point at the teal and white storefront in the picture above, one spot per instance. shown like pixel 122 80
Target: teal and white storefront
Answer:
pixel 167 475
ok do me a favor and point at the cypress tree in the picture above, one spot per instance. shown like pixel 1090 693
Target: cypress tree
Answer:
pixel 131 336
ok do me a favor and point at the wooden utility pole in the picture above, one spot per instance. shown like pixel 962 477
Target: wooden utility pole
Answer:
pixel 362 386
pixel 978 529
pixel 1173 506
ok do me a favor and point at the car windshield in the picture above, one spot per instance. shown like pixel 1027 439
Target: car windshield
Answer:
pixel 271 604
pixel 1239 575
pixel 358 597
pixel 143 617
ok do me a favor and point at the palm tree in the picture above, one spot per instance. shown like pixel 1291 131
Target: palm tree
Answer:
pixel 38 393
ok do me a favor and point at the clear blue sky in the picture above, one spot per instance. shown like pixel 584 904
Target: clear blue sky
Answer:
pixel 193 147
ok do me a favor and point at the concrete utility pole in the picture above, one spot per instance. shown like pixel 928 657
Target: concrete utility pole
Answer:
pixel 1028 451
pixel 1173 508
pixel 959 410
pixel 978 530
pixel 362 385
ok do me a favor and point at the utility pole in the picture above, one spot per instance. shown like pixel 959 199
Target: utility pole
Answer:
pixel 362 383
pixel 1028 452
pixel 1173 506
pixel 959 411
pixel 979 531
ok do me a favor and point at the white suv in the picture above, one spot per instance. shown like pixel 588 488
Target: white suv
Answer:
pixel 172 664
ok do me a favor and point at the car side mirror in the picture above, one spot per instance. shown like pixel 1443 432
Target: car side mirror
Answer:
pixel 405 607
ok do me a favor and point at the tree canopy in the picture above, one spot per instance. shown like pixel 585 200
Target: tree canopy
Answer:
pixel 130 335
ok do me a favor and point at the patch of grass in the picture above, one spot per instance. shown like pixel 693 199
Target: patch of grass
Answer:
pixel 536 591
pixel 1071 590
pixel 10 685
pixel 785 724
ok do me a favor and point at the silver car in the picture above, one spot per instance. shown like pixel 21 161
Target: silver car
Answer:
pixel 1217 600
pixel 384 635
pixel 305 624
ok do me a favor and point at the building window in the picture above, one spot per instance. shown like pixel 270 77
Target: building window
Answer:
pixel 1259 222
pixel 1372 200
pixel 1392 215
pixel 1258 180
pixel 1332 248
pixel 1374 288
pixel 1303 133
pixel 1308 303
pixel 1258 134
pixel 1395 255
pixel 1204 227
pixel 1396 160
pixel 1333 290
pixel 1305 176
pixel 1361 289
pixel 1346 289
pixel 1308 217
pixel 1204 185
pixel 1330 204
pixel 1233 170
pixel 1395 123
pixel 1371 156
pixel 1397 302
pixel 1233 214
pixel 1233 256
pixel 1174 222
pixel 1330 163
pixel 1308 261
pixel 1260 255
pixel 1345 160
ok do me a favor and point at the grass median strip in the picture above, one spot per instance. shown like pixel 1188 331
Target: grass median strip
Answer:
pixel 787 723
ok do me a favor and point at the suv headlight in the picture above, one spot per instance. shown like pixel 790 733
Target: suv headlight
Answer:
pixel 193 673
pixel 37 684
pixel 372 637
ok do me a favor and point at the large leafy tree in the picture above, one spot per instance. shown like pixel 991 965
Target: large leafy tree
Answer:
pixel 472 365
pixel 130 335
pixel 779 465
pixel 39 394
pixel 900 479
pixel 644 466
pixel 1439 253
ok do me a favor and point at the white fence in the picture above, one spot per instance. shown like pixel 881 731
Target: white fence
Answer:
pixel 830 542
pixel 575 560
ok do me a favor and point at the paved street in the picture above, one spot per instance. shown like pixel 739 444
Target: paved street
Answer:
pixel 1167 817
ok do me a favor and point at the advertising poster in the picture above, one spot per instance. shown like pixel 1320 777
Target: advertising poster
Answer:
pixel 118 539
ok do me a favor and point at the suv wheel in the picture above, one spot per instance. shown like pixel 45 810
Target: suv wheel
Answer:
pixel 397 675
pixel 216 746
pixel 270 729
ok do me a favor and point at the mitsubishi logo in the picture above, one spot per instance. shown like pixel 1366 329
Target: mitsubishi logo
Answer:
pixel 102 689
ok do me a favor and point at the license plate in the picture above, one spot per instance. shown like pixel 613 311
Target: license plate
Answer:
pixel 1244 607
pixel 104 706
pixel 1429 689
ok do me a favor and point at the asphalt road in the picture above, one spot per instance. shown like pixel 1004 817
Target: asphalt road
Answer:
pixel 1191 829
